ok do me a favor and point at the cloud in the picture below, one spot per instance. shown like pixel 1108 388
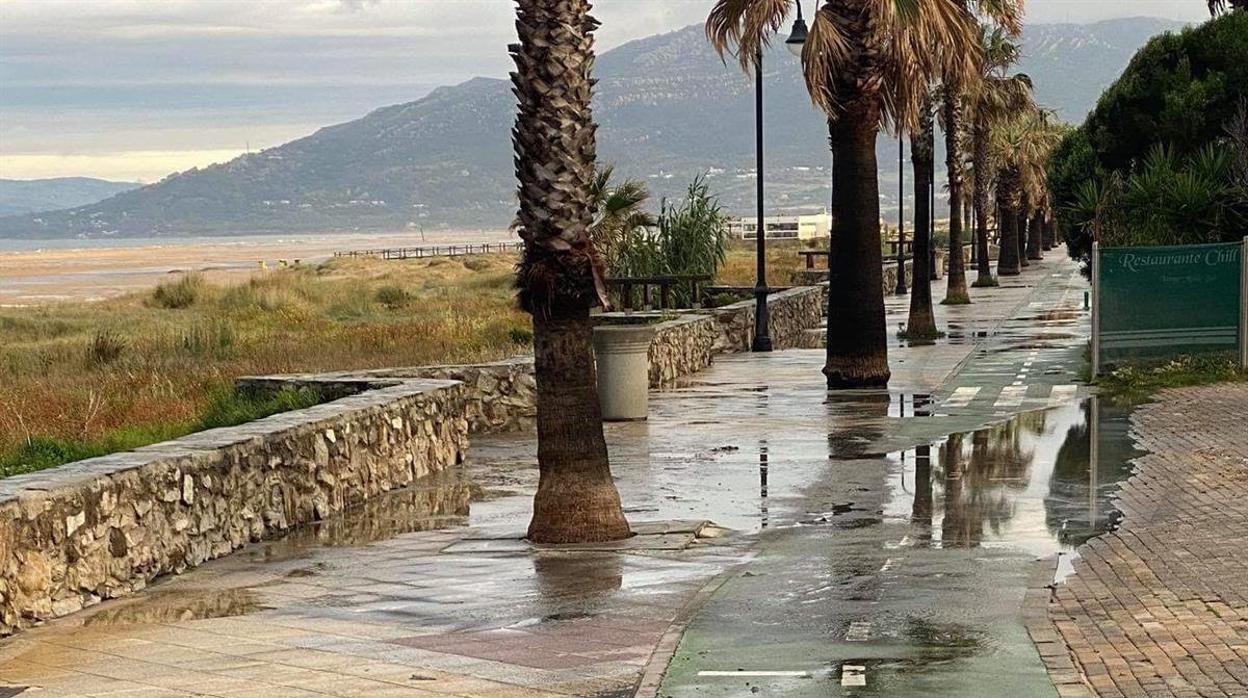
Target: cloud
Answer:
pixel 77 77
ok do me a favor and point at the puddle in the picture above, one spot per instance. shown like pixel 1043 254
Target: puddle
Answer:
pixel 439 501
pixel 175 606
pixel 1042 482
pixel 878 403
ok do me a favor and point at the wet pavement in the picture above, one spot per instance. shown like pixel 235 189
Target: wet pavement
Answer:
pixel 869 542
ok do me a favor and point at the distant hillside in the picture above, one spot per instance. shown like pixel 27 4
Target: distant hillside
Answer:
pixel 20 196
pixel 1072 64
pixel 669 109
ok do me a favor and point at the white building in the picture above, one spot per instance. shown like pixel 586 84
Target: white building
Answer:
pixel 800 227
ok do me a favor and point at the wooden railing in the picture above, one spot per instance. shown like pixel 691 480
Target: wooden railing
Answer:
pixel 624 287
pixel 436 251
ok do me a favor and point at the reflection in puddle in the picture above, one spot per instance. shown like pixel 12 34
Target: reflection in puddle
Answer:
pixel 878 403
pixel 171 606
pixel 434 502
pixel 1042 481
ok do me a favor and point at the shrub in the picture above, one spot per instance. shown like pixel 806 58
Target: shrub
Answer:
pixel 521 336
pixel 104 348
pixel 180 293
pixel 393 297
pixel 1149 164
pixel 208 339
pixel 231 407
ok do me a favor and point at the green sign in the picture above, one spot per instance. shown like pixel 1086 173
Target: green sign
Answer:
pixel 1164 301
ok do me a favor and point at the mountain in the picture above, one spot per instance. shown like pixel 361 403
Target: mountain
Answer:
pixel 1072 64
pixel 20 196
pixel 669 109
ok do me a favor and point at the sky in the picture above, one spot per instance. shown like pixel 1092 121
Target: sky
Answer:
pixel 135 89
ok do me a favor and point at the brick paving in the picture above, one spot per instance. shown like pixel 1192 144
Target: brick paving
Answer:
pixel 1160 606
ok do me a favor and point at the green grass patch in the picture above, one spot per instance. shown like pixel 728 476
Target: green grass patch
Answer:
pixel 1134 384
pixel 226 408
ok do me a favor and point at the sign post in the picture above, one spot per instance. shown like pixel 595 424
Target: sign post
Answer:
pixel 1243 306
pixel 1096 310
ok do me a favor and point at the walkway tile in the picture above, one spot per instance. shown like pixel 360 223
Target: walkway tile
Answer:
pixel 1158 607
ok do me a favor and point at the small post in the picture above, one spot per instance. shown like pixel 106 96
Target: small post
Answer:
pixel 1096 309
pixel 1094 460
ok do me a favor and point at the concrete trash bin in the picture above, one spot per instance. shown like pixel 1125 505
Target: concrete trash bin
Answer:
pixel 623 356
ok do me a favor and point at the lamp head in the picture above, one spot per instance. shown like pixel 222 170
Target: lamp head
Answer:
pixel 797 38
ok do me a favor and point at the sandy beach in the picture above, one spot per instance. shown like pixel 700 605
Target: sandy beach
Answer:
pixel 89 273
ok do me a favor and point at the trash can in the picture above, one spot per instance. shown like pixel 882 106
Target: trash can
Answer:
pixel 623 356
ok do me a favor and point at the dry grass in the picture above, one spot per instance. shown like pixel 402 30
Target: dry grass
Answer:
pixel 80 372
pixel 782 262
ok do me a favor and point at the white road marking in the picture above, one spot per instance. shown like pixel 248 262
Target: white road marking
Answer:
pixel 888 565
pixel 859 631
pixel 905 541
pixel 1063 393
pixel 961 397
pixel 1012 395
pixel 794 674
pixel 853 675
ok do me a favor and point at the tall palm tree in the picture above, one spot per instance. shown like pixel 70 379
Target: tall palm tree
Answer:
pixel 922 322
pixel 994 95
pixel 1006 14
pixel 560 277
pixel 1217 7
pixel 868 64
pixel 1021 148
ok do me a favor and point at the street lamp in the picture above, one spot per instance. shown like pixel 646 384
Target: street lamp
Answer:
pixel 762 320
pixel 901 215
pixel 762 328
pixel 797 38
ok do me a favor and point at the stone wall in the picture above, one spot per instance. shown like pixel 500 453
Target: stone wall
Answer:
pixel 682 347
pixel 101 528
pixel 790 313
pixel 500 396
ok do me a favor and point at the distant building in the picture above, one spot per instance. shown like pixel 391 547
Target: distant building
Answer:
pixel 800 227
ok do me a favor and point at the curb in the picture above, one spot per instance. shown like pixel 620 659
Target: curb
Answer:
pixel 661 657
pixel 1054 654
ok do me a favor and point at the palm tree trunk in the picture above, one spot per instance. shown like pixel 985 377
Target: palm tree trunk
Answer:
pixel 1008 259
pixel 1034 233
pixel 559 276
pixel 1050 232
pixel 857 351
pixel 922 323
pixel 576 498
pixel 982 182
pixel 955 293
pixel 1021 238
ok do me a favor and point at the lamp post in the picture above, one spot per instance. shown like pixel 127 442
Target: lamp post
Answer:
pixel 762 322
pixel 762 328
pixel 901 215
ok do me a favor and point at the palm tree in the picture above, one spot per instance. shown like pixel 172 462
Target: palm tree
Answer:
pixel 617 213
pixel 868 64
pixel 922 323
pixel 1047 133
pixel 560 276
pixel 1217 7
pixel 994 96
pixel 1021 148
pixel 1007 15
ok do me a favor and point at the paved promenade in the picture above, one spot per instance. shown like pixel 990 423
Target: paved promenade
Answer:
pixel 818 504
pixel 1160 606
